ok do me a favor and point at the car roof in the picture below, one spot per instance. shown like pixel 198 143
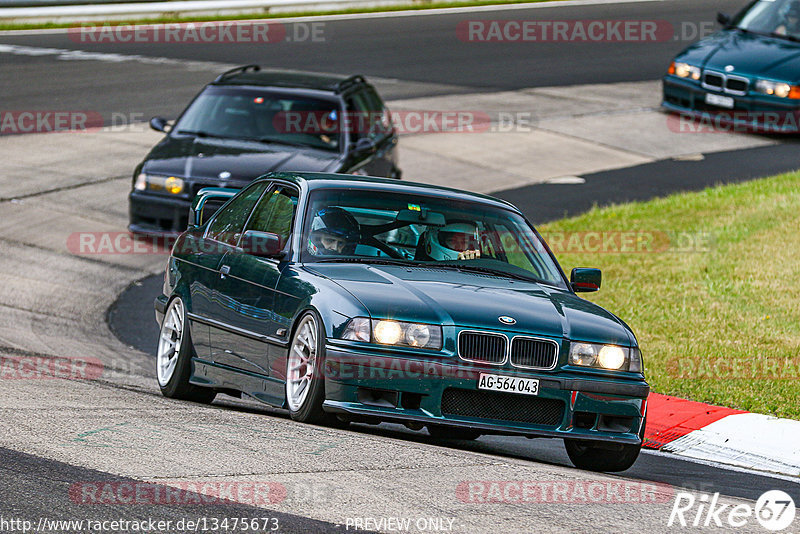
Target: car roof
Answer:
pixel 254 75
pixel 320 180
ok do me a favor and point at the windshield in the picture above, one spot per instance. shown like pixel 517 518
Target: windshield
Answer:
pixel 257 115
pixel 387 227
pixel 772 17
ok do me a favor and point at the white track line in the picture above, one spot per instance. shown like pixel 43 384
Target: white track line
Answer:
pixel 726 467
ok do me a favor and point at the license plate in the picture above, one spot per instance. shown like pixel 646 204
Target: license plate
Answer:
pixel 719 100
pixel 510 384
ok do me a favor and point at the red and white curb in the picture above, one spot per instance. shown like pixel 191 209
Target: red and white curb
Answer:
pixel 713 433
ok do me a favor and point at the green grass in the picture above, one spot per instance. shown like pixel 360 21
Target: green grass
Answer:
pixel 416 6
pixel 719 323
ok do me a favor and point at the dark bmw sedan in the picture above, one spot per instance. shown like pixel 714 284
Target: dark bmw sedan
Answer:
pixel 747 74
pixel 249 122
pixel 345 299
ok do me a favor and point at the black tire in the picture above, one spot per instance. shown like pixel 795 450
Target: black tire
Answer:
pixel 308 408
pixel 451 432
pixel 604 457
pixel 175 383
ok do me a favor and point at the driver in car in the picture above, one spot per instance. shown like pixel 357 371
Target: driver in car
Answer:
pixel 334 232
pixel 454 241
pixel 790 25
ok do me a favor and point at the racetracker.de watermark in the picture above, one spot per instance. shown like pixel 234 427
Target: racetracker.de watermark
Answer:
pixel 562 492
pixel 573 242
pixel 216 32
pixel 766 122
pixel 402 122
pixel 43 367
pixel 14 122
pixel 726 368
pixel 627 242
pixel 581 31
pixel 565 31
pixel 320 123
pixel 177 492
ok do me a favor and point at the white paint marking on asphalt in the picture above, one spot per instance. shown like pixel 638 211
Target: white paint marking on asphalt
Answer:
pixel 726 467
pixel 395 14
pixel 749 440
pixel 565 180
pixel 65 54
pixel 690 157
pixel 82 55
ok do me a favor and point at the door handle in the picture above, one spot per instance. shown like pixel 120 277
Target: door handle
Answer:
pixel 224 270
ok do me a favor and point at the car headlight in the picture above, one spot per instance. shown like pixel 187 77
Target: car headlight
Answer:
pixel 779 89
pixel 611 357
pixel 389 332
pixel 684 70
pixel 168 184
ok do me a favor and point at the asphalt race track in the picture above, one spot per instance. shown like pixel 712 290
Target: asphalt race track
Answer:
pixel 421 51
pixel 408 57
pixel 131 318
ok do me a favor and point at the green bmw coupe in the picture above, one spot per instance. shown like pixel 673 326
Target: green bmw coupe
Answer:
pixel 355 299
pixel 747 74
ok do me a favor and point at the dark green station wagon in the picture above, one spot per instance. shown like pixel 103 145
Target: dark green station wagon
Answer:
pixel 357 299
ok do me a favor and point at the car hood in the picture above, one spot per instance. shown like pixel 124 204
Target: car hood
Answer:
pixel 447 297
pixel 204 159
pixel 749 54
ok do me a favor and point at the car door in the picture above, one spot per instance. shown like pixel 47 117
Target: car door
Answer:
pixel 250 287
pixel 210 301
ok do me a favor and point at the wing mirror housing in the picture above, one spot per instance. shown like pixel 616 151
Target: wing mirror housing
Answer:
pixel 160 124
pixel 585 280
pixel 724 19
pixel 262 244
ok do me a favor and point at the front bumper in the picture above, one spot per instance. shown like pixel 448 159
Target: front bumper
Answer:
pixel 445 393
pixel 152 214
pixel 751 112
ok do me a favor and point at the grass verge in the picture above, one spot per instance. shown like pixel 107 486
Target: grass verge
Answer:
pixel 713 295
pixel 417 6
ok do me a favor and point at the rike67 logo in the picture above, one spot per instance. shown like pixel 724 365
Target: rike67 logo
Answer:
pixel 774 510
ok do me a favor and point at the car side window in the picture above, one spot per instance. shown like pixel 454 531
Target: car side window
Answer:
pixel 275 212
pixel 229 221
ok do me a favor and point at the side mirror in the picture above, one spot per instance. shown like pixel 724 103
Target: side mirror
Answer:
pixel 207 202
pixel 160 124
pixel 585 280
pixel 365 145
pixel 261 244
pixel 724 19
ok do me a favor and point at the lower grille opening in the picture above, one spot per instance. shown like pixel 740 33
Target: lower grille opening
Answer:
pixel 502 406
pixel 614 423
pixel 584 419
pixel 410 401
pixel 378 397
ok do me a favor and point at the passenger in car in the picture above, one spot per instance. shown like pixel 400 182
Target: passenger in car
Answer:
pixel 455 241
